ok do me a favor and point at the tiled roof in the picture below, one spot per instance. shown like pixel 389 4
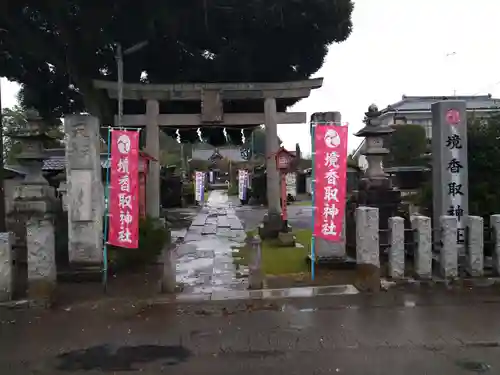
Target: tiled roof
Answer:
pixel 423 103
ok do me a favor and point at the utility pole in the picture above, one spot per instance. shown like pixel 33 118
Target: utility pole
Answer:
pixel 3 225
pixel 119 64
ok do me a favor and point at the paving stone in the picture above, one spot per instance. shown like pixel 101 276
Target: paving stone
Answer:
pixel 209 229
pixel 223 222
pixel 199 220
pixel 205 260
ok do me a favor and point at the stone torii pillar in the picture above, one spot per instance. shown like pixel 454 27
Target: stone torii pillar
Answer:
pixel 272 146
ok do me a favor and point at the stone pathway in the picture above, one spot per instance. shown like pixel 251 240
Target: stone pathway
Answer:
pixel 205 258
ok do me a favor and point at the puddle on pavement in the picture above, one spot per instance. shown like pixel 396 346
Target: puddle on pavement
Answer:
pixel 126 358
pixel 474 366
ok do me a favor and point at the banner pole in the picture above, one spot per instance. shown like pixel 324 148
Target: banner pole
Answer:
pixel 106 218
pixel 313 193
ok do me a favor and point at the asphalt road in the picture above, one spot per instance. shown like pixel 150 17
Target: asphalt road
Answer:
pixel 308 336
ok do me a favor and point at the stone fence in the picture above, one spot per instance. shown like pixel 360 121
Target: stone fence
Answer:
pixel 439 245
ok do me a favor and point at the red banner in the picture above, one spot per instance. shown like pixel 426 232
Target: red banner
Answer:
pixel 330 167
pixel 124 189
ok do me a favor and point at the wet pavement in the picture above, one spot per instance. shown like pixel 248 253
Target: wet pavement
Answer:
pixel 437 333
pixel 205 258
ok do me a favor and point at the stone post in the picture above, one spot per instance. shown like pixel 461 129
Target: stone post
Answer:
pixel 475 246
pixel 153 149
pixel 422 256
pixel 448 261
pixel 168 280
pixel 397 247
pixel 85 195
pixel 495 234
pixel 7 273
pixel 35 200
pixel 367 249
pixel 256 278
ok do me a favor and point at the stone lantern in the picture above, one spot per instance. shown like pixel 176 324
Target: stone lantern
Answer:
pixel 34 201
pixel 374 133
pixel 375 188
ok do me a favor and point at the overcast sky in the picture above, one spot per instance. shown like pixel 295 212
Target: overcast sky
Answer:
pixel 412 47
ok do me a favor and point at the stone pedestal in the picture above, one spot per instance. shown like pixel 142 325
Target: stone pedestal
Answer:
pixel 382 196
pixel 7 271
pixel 85 195
pixel 34 201
pixel 42 273
pixel 271 226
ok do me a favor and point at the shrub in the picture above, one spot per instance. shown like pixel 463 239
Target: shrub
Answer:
pixel 153 236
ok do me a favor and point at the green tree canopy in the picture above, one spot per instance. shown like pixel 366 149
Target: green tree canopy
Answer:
pixel 484 166
pixel 12 120
pixel 56 48
pixel 407 146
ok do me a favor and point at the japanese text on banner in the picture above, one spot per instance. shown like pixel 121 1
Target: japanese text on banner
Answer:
pixel 124 189
pixel 330 166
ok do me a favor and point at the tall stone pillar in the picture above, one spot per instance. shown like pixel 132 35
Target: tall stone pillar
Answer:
pixel 85 195
pixel 272 223
pixel 272 146
pixel 450 181
pixel 34 200
pixel 153 149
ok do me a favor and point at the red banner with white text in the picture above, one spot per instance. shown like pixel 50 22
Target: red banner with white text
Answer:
pixel 330 167
pixel 124 189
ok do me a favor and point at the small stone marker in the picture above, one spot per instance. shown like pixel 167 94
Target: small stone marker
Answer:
pixel 449 249
pixel 367 249
pixel 397 247
pixel 256 278
pixel 6 267
pixel 423 246
pixel 475 246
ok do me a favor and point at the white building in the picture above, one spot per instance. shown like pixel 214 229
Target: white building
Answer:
pixel 416 110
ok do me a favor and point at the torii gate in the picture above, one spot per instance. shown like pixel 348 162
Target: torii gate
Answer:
pixel 211 113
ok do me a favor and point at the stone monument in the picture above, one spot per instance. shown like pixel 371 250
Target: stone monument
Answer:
pixel 34 199
pixel 449 166
pixel 85 194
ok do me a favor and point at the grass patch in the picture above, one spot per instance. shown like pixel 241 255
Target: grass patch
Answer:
pixel 303 203
pixel 278 260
